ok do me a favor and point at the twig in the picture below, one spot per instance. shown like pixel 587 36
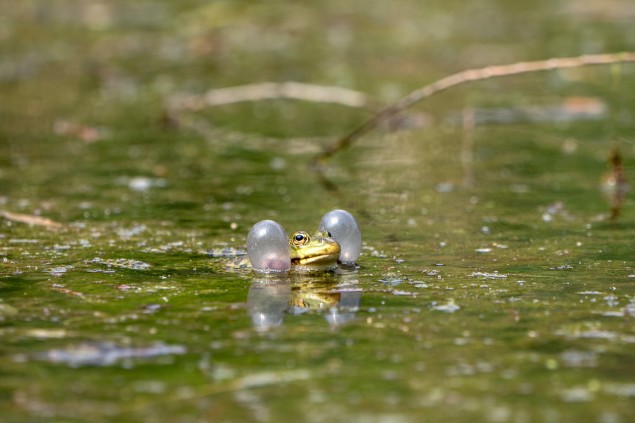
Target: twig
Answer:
pixel 63 290
pixel 30 219
pixel 614 184
pixel 273 91
pixel 461 78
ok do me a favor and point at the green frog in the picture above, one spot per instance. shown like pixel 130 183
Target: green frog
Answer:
pixel 315 252
pixel 308 253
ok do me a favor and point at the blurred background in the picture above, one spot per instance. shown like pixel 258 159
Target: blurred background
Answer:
pixel 493 287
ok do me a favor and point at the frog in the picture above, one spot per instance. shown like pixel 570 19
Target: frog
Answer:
pixel 335 246
pixel 308 253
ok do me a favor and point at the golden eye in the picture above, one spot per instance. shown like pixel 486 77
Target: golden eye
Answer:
pixel 300 238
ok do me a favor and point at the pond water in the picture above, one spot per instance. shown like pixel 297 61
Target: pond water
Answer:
pixel 492 285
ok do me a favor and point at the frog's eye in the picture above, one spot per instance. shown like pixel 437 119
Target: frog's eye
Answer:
pixel 328 234
pixel 300 238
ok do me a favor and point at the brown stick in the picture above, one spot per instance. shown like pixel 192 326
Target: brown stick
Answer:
pixel 461 78
pixel 273 91
pixel 31 219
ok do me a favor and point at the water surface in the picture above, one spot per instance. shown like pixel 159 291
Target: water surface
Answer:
pixel 490 288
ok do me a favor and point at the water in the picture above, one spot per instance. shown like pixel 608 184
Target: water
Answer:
pixel 491 289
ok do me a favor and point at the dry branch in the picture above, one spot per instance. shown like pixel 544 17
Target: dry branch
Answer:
pixel 31 219
pixel 273 91
pixel 461 78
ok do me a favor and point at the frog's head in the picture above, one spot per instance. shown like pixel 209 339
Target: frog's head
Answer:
pixel 319 249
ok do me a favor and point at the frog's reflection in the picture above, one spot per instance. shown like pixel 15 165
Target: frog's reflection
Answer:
pixel 267 300
pixel 270 297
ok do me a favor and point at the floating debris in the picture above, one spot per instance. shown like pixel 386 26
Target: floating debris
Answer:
pixel 152 308
pixel 374 252
pixel 579 359
pixel 106 353
pixel 400 293
pixel 392 279
pixel 24 241
pixel 122 263
pixel 611 313
pixel 225 252
pixel 577 394
pixel 444 187
pixel 58 271
pixel 614 185
pixel 126 233
pixel 64 290
pixel 257 380
pixel 597 334
pixel 142 183
pixel 484 275
pixel 449 307
pixel 562 267
pixel 40 333
pixel 31 219
pixel 626 390
pixel 571 109
pixel 107 271
pixel 88 134
pixel 554 210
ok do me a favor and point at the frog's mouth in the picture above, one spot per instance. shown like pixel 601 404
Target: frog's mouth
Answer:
pixel 317 259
